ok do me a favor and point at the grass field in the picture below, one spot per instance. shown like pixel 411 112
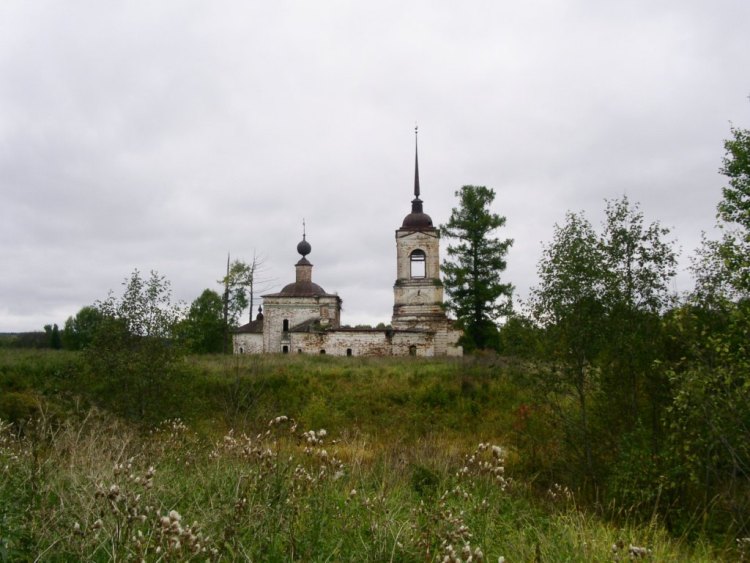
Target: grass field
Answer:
pixel 309 459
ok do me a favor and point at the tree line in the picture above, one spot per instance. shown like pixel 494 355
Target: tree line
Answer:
pixel 641 396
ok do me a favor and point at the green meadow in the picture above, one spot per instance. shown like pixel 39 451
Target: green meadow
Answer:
pixel 281 458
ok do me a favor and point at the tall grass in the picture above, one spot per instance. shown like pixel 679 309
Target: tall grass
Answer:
pixel 299 458
pixel 94 488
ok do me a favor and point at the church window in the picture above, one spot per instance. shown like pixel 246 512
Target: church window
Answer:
pixel 412 350
pixel 348 351
pixel 285 349
pixel 324 312
pixel 418 264
pixel 242 350
pixel 285 326
pixel 322 352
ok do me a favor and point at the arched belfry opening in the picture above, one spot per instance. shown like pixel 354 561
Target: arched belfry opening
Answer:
pixel 418 264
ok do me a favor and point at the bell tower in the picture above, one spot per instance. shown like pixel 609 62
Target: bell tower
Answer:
pixel 418 291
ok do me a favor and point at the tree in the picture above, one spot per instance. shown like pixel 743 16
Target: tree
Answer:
pixel 710 412
pixel 202 331
pixel 472 274
pixel 132 355
pixel 568 304
pixel 238 279
pixel 53 336
pixel 240 284
pixel 638 266
pixel 79 331
pixel 722 267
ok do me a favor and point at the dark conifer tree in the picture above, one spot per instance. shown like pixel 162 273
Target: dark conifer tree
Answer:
pixel 476 293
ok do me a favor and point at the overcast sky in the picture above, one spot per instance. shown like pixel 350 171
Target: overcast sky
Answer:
pixel 163 134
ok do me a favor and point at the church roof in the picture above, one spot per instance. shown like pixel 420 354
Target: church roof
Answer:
pixel 253 327
pixel 417 221
pixel 301 289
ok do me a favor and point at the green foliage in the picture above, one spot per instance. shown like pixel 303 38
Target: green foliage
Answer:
pixel 203 331
pixel 237 284
pixel 709 418
pixel 735 207
pixel 567 305
pixel 25 340
pixel 18 406
pixel 424 481
pixel 520 336
pixel 638 262
pixel 598 306
pixel 722 267
pixel 472 275
pixel 53 336
pixel 132 357
pixel 79 331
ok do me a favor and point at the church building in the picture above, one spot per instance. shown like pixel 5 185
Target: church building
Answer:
pixel 302 318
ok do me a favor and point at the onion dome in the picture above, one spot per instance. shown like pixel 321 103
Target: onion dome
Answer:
pixel 304 247
pixel 417 219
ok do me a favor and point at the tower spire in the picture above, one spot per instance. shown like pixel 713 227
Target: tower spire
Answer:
pixel 416 161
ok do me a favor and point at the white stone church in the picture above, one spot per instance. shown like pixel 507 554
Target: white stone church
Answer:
pixel 303 319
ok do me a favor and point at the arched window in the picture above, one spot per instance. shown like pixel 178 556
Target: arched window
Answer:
pixel 348 351
pixel 242 350
pixel 322 352
pixel 412 350
pixel 285 349
pixel 285 327
pixel 418 264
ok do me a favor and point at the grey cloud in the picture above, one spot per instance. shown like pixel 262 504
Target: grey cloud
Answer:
pixel 162 135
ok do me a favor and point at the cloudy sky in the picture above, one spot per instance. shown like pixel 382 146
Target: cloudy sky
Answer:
pixel 162 135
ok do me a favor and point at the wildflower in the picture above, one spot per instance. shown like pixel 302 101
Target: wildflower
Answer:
pixel 497 451
pixel 114 493
pixel 637 552
pixel 174 516
pixel 98 524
